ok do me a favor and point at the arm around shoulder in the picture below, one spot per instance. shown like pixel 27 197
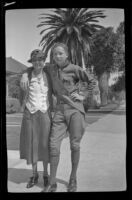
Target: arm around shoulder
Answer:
pixel 24 82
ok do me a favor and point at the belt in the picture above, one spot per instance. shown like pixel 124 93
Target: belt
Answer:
pixel 61 102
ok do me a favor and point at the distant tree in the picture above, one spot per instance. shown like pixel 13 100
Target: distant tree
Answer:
pixel 102 58
pixel 119 54
pixel 14 87
pixel 119 58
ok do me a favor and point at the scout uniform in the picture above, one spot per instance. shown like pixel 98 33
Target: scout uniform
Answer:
pixel 69 114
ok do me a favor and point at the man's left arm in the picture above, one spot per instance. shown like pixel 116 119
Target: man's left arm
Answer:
pixel 85 77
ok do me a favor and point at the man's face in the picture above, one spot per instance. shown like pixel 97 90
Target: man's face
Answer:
pixel 60 55
pixel 38 64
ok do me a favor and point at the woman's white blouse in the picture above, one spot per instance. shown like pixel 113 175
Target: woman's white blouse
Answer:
pixel 38 94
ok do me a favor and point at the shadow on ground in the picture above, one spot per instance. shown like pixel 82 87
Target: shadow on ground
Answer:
pixel 119 112
pixel 19 176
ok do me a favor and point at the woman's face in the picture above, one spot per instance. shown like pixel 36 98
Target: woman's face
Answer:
pixel 59 55
pixel 38 64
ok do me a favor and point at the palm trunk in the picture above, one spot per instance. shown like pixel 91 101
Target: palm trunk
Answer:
pixel 83 63
pixel 103 86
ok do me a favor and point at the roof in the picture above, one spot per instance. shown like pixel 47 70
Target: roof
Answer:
pixel 14 66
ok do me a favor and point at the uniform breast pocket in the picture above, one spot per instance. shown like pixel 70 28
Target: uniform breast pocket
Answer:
pixel 66 82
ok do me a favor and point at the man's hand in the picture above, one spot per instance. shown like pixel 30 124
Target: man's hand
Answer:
pixel 77 97
pixel 24 82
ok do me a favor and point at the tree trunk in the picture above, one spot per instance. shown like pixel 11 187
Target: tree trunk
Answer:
pixel 103 86
pixel 83 63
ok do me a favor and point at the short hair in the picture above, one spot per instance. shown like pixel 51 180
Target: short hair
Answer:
pixel 59 44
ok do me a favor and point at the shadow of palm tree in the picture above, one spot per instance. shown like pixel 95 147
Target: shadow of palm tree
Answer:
pixel 19 176
pixel 62 182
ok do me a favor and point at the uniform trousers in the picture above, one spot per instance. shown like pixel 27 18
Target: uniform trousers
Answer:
pixel 69 120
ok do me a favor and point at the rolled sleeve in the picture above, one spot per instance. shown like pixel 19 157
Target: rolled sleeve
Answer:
pixel 85 77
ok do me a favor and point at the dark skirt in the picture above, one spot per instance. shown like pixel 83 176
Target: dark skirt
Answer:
pixel 34 136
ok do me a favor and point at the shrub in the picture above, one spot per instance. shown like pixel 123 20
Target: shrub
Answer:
pixel 111 95
pixel 89 103
pixel 116 95
pixel 120 84
pixel 14 86
pixel 120 95
pixel 12 105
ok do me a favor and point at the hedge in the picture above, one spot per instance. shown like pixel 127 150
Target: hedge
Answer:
pixel 12 105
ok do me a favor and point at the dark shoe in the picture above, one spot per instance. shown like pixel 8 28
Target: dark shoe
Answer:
pixel 33 181
pixel 72 187
pixel 46 180
pixel 51 188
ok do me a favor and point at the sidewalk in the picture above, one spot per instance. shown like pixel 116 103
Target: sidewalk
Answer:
pixel 102 162
pixel 108 108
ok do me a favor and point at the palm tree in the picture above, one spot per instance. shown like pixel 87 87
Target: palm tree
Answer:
pixel 72 26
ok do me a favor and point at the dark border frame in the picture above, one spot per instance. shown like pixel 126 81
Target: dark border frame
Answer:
pixel 19 4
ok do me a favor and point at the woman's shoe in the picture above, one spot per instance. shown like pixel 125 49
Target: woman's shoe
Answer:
pixel 33 181
pixel 46 180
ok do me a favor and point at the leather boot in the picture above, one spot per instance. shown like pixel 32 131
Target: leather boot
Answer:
pixel 33 181
pixel 72 187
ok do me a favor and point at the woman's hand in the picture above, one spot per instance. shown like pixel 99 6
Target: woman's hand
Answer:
pixel 77 97
pixel 24 82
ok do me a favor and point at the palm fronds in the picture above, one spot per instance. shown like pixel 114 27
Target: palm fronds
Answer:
pixel 72 26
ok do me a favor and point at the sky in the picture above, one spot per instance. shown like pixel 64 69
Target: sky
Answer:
pixel 22 35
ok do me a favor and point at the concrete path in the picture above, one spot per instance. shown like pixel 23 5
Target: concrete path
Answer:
pixel 102 163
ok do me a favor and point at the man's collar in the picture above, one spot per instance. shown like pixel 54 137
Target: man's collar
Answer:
pixel 65 65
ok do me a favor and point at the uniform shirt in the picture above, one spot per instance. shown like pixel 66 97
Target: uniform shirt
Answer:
pixel 37 94
pixel 66 81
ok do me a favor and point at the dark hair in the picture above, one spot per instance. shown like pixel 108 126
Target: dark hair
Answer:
pixel 58 44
